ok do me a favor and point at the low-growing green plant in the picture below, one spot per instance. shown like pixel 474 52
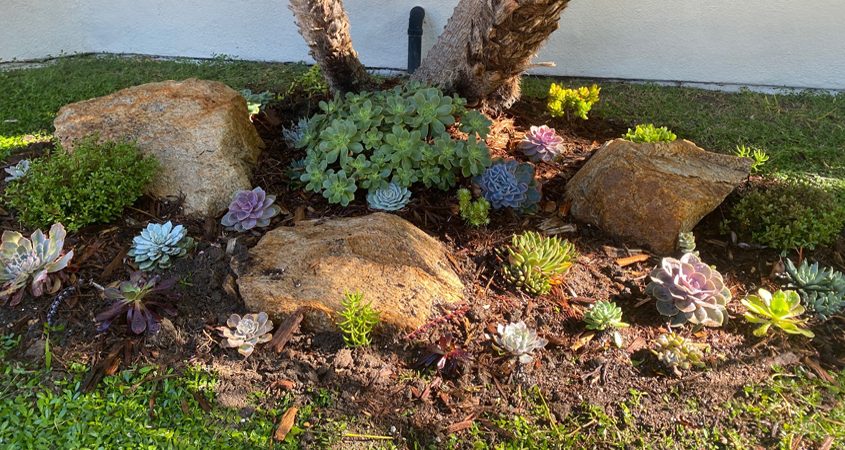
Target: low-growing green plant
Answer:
pixel 677 352
pixel 358 320
pixel 821 290
pixel 686 243
pixel 574 102
pixel 649 133
pixel 788 215
pixel 91 184
pixel 757 155
pixel 476 213
pixel 780 310
pixel 256 101
pixel 534 263
pixel 603 316
pixel 367 140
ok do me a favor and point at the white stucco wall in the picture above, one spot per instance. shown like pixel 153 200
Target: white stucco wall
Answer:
pixel 755 42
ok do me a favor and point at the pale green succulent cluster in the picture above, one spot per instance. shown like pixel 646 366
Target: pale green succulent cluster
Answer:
pixel 32 261
pixel 677 352
pixel 604 315
pixel 781 310
pixel 686 243
pixel 476 213
pixel 822 290
pixel 359 319
pixel 367 140
pixel 159 244
pixel 648 133
pixel 536 262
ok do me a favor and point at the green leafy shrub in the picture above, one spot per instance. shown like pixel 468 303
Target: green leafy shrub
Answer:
pixel 757 156
pixel 359 320
pixel 649 133
pixel 475 213
pixel 789 215
pixel 536 262
pixel 576 102
pixel 780 309
pixel 822 290
pixel 370 139
pixel 92 184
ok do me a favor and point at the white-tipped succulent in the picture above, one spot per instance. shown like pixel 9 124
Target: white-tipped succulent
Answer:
pixel 244 333
pixel 17 171
pixel 31 260
pixel 519 340
pixel 158 244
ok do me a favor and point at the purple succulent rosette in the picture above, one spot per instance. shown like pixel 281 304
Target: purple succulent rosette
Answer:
pixel 250 209
pixel 510 184
pixel 541 144
pixel 688 290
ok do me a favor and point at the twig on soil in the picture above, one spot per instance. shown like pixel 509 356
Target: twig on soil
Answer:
pixel 286 330
pixel 628 260
pixel 372 437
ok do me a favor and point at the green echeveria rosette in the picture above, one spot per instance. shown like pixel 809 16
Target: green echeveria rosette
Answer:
pixel 687 290
pixel 822 290
pixel 604 315
pixel 158 245
pixel 389 198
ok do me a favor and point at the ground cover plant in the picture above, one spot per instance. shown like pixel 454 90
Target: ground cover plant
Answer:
pixel 513 367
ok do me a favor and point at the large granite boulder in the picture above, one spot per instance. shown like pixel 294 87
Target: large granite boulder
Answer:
pixel 648 193
pixel 399 268
pixel 198 130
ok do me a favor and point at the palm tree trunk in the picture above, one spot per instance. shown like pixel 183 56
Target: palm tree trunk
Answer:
pixel 325 27
pixel 487 45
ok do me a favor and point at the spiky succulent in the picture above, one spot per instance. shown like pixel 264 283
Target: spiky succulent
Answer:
pixel 821 290
pixel 392 197
pixel 604 315
pixel 250 209
pixel 293 135
pixel 142 300
pixel 677 352
pixel 519 340
pixel 780 309
pixel 17 171
pixel 476 213
pixel 158 244
pixel 34 261
pixel 510 184
pixel 686 243
pixel 244 333
pixel 536 262
pixel 541 144
pixel 687 290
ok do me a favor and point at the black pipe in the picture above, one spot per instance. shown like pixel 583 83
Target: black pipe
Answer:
pixel 415 32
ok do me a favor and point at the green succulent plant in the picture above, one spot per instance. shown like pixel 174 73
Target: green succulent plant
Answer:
pixel 757 156
pixel 677 352
pixel 686 243
pixel 359 319
pixel 821 290
pixel 398 136
pixel 476 213
pixel 255 101
pixel 780 310
pixel 576 102
pixel 605 316
pixel 534 263
pixel 648 133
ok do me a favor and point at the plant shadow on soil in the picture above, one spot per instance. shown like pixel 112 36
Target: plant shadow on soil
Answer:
pixel 375 384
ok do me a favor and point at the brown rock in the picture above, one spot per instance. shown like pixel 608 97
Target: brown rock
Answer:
pixel 401 270
pixel 198 130
pixel 648 193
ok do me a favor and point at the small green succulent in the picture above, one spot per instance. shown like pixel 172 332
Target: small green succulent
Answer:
pixel 338 188
pixel 576 102
pixel 686 243
pixel 780 309
pixel 475 213
pixel 603 316
pixel 757 156
pixel 677 352
pixel 256 101
pixel 649 133
pixel 821 290
pixel 358 320
pixel 535 262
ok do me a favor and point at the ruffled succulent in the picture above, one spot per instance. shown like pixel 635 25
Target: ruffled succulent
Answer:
pixel 781 309
pixel 677 352
pixel 159 244
pixel 821 290
pixel 519 340
pixel 142 300
pixel 535 262
pixel 250 209
pixel 687 290
pixel 510 184
pixel 33 261
pixel 389 198
pixel 244 333
pixel 17 171
pixel 541 144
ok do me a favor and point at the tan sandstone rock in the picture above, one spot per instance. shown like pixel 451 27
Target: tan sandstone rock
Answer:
pixel 198 130
pixel 399 268
pixel 648 193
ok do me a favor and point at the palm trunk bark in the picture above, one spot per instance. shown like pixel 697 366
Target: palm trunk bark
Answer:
pixel 487 45
pixel 325 27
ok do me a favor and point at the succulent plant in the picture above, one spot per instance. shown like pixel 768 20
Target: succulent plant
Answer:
pixel 541 144
pixel 476 213
pixel 255 101
pixel 687 290
pixel 250 209
pixel 34 261
pixel 294 135
pixel 519 340
pixel 392 197
pixel 577 102
pixel 158 244
pixel 244 333
pixel 17 171
pixel 444 354
pixel 339 188
pixel 821 290
pixel 677 352
pixel 536 262
pixel 510 184
pixel 686 243
pixel 757 156
pixel 604 315
pixel 359 319
pixel 648 133
pixel 142 300
pixel 780 309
